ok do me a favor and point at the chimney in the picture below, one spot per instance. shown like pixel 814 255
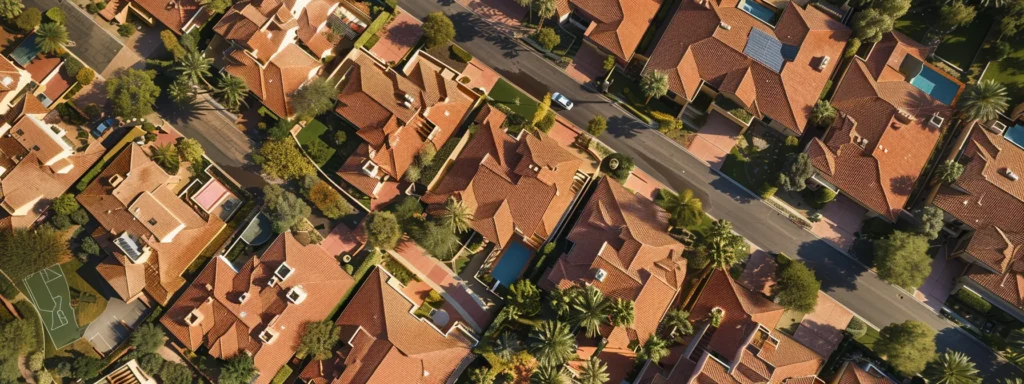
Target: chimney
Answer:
pixel 1010 174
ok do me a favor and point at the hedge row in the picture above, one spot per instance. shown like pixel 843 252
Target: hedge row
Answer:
pixel 382 19
pixel 972 300
pixel 461 54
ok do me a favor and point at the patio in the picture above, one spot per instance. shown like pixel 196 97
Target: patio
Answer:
pixel 715 139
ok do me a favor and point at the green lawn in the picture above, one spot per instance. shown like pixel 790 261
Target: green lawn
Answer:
pixel 752 167
pixel 959 47
pixel 1010 72
pixel 90 302
pixel 628 89
pixel 506 94
pixel 312 133
pixel 869 338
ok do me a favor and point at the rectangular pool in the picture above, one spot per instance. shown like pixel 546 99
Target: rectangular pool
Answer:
pixel 1015 135
pixel 935 84
pixel 758 10
pixel 511 264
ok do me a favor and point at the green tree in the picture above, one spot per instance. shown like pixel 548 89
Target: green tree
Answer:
pixel 194 67
pixel 174 373
pixel 796 287
pixel 314 98
pixel 983 101
pixel 590 309
pixel 56 15
pixel 232 90
pixel 456 216
pixel 956 14
pixel 216 6
pixel 561 300
pixel 481 375
pixel 902 259
pixel 542 109
pixel 798 170
pixel 551 343
pixel 437 239
pixel 182 93
pixel 85 76
pixel 438 29
pixel 320 152
pixel 65 204
pixel 126 30
pixel 148 338
pixel 621 313
pixel 1015 346
pixel 282 159
pixel 318 340
pixel 597 125
pixel 190 150
pixel 525 297
pixel 678 321
pixel 382 230
pixel 239 369
pixel 550 374
pixel 166 156
pixel 283 208
pixel 952 367
pixel 908 346
pixel 26 251
pixel 90 246
pixel 546 9
pixel 685 208
pixel 329 201
pixel 87 367
pixel 594 371
pixel 870 25
pixel 654 349
pixel 28 20
pixel 720 248
pixel 9 9
pixel 823 114
pixel 609 63
pixel 948 172
pixel 133 93
pixel 548 38
pixel 172 45
pixel 852 47
pixel 931 222
pixel 506 345
pixel 51 38
pixel 654 84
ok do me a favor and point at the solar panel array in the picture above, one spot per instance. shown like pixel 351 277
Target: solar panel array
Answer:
pixel 766 49
pixel 128 246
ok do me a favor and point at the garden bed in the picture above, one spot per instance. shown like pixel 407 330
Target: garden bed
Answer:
pixel 628 91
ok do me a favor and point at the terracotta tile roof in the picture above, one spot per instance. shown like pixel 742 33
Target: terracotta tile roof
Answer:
pixel 620 24
pixel 623 234
pixel 525 184
pixel 313 29
pixel 174 14
pixel 383 342
pixel 744 310
pixel 695 48
pixel 274 83
pixel 853 374
pixel 160 274
pixel 230 326
pixel 877 148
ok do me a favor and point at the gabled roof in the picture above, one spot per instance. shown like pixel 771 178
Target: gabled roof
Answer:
pixel 230 326
pixel 175 14
pixel 523 184
pixel 314 31
pixel 277 81
pixel 382 341
pixel 624 235
pixel 620 24
pixel 706 40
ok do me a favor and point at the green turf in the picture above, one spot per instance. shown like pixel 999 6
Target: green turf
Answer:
pixel 49 292
pixel 1010 72
pixel 505 93
pixel 90 302
pixel 311 133
pixel 869 338
pixel 959 47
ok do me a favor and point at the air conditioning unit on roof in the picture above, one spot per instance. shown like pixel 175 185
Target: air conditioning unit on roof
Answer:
pixel 936 121
pixel 997 127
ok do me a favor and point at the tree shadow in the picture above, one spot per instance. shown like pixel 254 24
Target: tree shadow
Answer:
pixel 835 270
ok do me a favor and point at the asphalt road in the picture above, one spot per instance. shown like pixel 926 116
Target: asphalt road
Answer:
pixel 93 44
pixel 843 278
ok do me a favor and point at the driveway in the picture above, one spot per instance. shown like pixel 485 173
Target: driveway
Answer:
pixel 93 44
pixel 822 329
pixel 840 219
pixel 940 282
pixel 587 65
pixel 715 139
pixel 400 36
pixel 108 330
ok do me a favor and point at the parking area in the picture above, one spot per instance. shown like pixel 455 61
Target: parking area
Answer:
pixel 840 219
pixel 91 43
pixel 715 139
pixel 587 65
pixel 115 324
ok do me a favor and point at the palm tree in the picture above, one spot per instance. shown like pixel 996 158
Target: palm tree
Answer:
pixel 621 313
pixel 952 368
pixel 551 343
pixel 1015 380
pixel 232 91
pixel 9 9
pixel 983 101
pixel 721 246
pixel 165 155
pixel 590 309
pixel 679 321
pixel 195 67
pixel 506 346
pixel 561 300
pixel 550 375
pixel 686 209
pixel 181 93
pixel 546 9
pixel 456 215
pixel 948 172
pixel 594 371
pixel 481 375
pixel 654 84
pixel 51 38
pixel 1015 345
pixel 655 349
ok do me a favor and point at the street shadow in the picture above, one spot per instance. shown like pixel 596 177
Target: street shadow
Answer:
pixel 470 27
pixel 990 368
pixel 624 127
pixel 835 271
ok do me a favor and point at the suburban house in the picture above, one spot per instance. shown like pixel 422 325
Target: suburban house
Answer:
pixel 744 348
pixel 262 307
pixel 620 246
pixel 732 55
pixel 51 78
pixel 397 115
pixel 180 16
pixel 614 27
pixel 984 209
pixel 260 40
pixel 886 126
pixel 38 162
pixel 149 231
pixel 383 341
pixel 852 373
pixel 517 185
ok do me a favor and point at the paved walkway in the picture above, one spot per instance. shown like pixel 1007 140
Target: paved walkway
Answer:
pixel 400 36
pixel 343 239
pixel 642 183
pixel 759 275
pixel 840 219
pixel 715 139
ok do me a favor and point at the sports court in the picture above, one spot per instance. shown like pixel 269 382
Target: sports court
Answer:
pixel 48 290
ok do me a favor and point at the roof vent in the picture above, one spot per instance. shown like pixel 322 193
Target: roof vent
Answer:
pixel 268 336
pixel 243 297
pixel 903 116
pixel 115 180
pixel 824 63
pixel 408 98
pixel 936 121
pixel 724 26
pixel 1010 175
pixel 193 318
pixel 296 295
pixel 370 169
pixel 283 271
pixel 273 281
pixel 7 81
pixel 600 275
pixel 997 127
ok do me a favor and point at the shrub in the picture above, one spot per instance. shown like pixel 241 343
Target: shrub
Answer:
pixel 1000 50
pixel 61 222
pixel 85 76
pixel 973 301
pixel 56 15
pixel 319 151
pixel 152 362
pixel 339 137
pixel 545 124
pixel 348 269
pixel 460 54
pixel 547 38
pixel 92 111
pixel 851 48
pixel 617 166
pixel 7 289
pixel 382 19
pixel 767 190
pixel 126 29
pixel 857 327
pixel 282 375
pixel 329 201
pixel 65 204
pixel 28 20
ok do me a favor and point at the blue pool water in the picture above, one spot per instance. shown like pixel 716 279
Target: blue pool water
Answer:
pixel 933 83
pixel 759 11
pixel 1015 134
pixel 511 264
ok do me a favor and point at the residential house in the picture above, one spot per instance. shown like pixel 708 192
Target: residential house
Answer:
pixel 732 55
pixel 262 307
pixel 397 115
pixel 39 160
pixel 984 209
pixel 150 233
pixel 852 373
pixel 180 16
pixel 745 347
pixel 886 128
pixel 620 246
pixel 384 341
pixel 51 78
pixel 615 27
pixel 12 81
pixel 516 185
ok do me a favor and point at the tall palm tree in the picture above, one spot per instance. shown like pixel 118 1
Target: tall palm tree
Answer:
pixel 590 308
pixel 679 321
pixel 550 375
pixel 952 367
pixel 181 92
pixel 165 155
pixel 654 349
pixel 551 343
pixel 456 215
pixel 51 38
pixel 232 91
pixel 1015 380
pixel 654 84
pixel 506 346
pixel 195 67
pixel 594 371
pixel 546 9
pixel 948 172
pixel 621 313
pixel 9 9
pixel 1015 345
pixel 983 101
pixel 686 209
pixel 561 300
pixel 721 246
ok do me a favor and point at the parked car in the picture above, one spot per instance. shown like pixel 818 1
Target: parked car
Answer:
pixel 562 100
pixel 103 127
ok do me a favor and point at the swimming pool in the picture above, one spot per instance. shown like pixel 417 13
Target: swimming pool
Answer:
pixel 935 84
pixel 758 10
pixel 1015 134
pixel 511 264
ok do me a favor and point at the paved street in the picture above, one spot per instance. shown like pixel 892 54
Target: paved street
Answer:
pixel 94 45
pixel 847 281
